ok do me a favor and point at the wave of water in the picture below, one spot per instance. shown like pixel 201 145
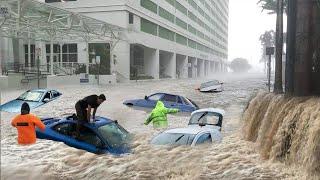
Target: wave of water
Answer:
pixel 286 129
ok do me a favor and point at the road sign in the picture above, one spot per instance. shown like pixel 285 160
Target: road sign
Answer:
pixel 270 51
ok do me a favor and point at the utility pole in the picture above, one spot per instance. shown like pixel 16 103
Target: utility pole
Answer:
pixel 269 52
pixel 38 51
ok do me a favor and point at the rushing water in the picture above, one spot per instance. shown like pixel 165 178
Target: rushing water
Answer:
pixel 234 158
pixel 286 129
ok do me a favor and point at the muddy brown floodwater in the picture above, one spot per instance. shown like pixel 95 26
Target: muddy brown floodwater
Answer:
pixel 234 158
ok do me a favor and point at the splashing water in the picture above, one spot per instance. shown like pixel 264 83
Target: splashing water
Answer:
pixel 286 129
pixel 234 158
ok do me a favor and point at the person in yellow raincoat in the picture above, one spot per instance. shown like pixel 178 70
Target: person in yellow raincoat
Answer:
pixel 158 115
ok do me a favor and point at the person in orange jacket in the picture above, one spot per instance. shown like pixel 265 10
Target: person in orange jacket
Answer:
pixel 25 124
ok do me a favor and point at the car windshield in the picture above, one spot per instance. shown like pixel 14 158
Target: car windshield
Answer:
pixel 206 118
pixel 31 96
pixel 173 139
pixel 155 97
pixel 114 134
pixel 210 83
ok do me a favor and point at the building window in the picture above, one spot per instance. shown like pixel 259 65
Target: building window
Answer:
pixel 29 62
pixel 151 6
pixel 130 18
pixel 69 53
pixel 52 1
pixel 149 27
pixel 181 23
pixel 171 2
pixel 166 33
pixel 181 40
pixel 165 14
pixel 181 8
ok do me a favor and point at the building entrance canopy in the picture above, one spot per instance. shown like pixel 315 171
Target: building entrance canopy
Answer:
pixel 30 19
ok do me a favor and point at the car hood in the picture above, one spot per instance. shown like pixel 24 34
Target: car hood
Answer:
pixel 14 106
pixel 132 101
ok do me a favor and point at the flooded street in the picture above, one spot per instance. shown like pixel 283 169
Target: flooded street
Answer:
pixel 234 158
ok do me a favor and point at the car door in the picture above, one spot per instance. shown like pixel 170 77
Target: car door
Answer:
pixel 90 141
pixel 55 94
pixel 169 101
pixel 47 97
pixel 180 104
pixel 203 138
pixel 65 134
pixel 187 105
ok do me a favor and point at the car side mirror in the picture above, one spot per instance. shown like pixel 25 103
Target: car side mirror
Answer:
pixel 45 100
pixel 146 97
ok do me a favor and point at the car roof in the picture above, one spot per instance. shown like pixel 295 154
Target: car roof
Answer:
pixel 189 130
pixel 41 90
pixel 215 80
pixel 215 110
pixel 164 93
pixel 99 121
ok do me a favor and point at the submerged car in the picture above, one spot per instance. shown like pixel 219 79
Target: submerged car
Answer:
pixel 169 100
pixel 204 127
pixel 211 86
pixel 101 136
pixel 34 98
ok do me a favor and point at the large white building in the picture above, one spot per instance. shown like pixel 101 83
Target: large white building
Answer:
pixel 161 38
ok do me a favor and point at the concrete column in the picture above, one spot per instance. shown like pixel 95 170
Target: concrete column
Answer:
pixel 87 58
pixel 194 68
pixel 200 68
pixel 29 51
pixel 185 67
pixel 51 56
pixel 60 54
pixel 207 68
pixel 112 65
pixel 156 64
pixel 151 62
pixel 173 66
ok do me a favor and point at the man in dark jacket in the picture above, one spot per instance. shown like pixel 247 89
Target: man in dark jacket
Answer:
pixel 84 107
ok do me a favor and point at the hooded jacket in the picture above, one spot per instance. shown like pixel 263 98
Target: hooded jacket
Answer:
pixel 158 115
pixel 26 124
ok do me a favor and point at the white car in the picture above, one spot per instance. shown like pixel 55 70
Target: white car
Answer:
pixel 211 86
pixel 204 127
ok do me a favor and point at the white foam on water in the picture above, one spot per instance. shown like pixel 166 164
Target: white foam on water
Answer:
pixel 234 158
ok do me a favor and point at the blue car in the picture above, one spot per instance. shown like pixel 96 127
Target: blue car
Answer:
pixel 169 100
pixel 101 136
pixel 34 98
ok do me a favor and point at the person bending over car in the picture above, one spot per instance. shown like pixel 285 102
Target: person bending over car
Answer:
pixel 158 115
pixel 84 107
pixel 25 124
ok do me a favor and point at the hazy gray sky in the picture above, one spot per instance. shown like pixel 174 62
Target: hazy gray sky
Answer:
pixel 246 24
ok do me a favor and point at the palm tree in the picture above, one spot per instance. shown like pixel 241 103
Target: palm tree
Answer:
pixel 267 39
pixel 277 6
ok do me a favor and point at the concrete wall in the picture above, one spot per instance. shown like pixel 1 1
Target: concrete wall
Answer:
pixel 122 53
pixel 3 82
pixel 14 82
pixel 55 81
